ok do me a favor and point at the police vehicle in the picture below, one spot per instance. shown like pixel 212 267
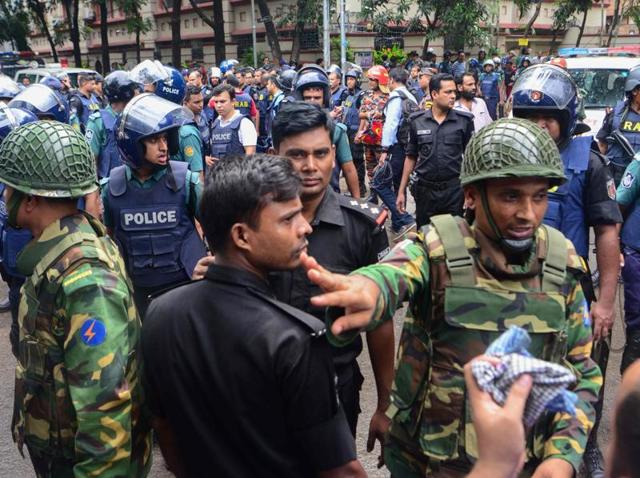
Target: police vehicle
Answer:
pixel 600 80
pixel 36 74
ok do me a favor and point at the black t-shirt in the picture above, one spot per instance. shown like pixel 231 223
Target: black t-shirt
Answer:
pixel 438 147
pixel 345 237
pixel 246 383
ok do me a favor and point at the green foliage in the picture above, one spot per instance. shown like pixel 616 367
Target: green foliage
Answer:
pixel 335 51
pixel 247 58
pixel 14 24
pixel 394 55
pixel 634 14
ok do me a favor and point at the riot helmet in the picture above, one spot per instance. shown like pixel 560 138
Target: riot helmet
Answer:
pixel 11 118
pixel 632 81
pixel 172 88
pixel 43 102
pixel 118 86
pixel 313 76
pixel 8 88
pixel 144 116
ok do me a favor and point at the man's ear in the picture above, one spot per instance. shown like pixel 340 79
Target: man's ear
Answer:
pixel 471 197
pixel 241 235
pixel 272 150
pixel 31 203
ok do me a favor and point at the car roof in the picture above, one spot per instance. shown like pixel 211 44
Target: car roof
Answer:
pixel 602 63
pixel 56 69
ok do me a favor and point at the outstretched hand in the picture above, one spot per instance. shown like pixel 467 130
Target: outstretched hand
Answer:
pixel 356 294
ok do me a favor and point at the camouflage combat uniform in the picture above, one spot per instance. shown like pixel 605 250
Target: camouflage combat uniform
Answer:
pixel 78 398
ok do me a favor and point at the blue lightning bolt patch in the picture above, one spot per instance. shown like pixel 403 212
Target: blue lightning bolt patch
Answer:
pixel 93 332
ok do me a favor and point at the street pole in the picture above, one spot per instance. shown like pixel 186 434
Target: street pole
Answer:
pixel 253 34
pixel 343 38
pixel 326 11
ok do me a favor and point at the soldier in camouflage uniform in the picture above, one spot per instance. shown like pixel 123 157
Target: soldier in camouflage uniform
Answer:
pixel 465 285
pixel 78 398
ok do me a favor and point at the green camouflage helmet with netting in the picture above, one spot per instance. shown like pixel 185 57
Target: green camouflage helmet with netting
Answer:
pixel 48 158
pixel 511 148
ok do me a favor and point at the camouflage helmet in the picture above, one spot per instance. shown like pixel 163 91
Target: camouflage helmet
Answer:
pixel 48 158
pixel 511 148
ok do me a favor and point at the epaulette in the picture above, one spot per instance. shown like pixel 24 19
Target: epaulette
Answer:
pixel 465 114
pixel 375 214
pixel 95 115
pixel 316 326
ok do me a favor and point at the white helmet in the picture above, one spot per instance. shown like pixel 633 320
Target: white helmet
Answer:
pixel 215 72
pixel 496 60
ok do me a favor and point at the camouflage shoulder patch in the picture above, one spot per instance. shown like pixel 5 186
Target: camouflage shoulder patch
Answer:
pixel 92 332
pixel 78 278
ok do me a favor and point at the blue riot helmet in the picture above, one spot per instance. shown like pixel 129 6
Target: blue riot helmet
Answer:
pixel 550 89
pixel 43 102
pixel 313 76
pixel 11 118
pixel 52 82
pixel 147 115
pixel 224 66
pixel 118 86
pixel 632 81
pixel 8 88
pixel 335 69
pixel 353 73
pixel 148 73
pixel 285 80
pixel 173 88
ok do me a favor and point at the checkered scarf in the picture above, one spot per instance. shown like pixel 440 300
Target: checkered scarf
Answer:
pixel 550 380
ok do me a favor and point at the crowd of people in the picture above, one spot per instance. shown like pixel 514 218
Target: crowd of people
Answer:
pixel 198 255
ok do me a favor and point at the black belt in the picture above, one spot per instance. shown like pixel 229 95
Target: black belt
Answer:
pixel 437 185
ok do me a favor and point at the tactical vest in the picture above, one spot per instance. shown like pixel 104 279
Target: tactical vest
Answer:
pixel 13 240
pixel 242 103
pixel 153 229
pixel 352 112
pixel 205 133
pixel 628 123
pixel 225 140
pixel 44 418
pixel 336 98
pixel 89 106
pixel 566 204
pixel 468 309
pixel 109 155
pixel 272 110
pixel 489 85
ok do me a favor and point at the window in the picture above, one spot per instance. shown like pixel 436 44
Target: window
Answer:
pixel 186 23
pixel 243 16
pixel 194 22
pixel 504 9
pixel 310 40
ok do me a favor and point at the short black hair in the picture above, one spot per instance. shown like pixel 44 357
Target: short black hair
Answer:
pixel 435 83
pixel 238 188
pixel 298 117
pixel 232 80
pixel 399 75
pixel 218 90
pixel 195 70
pixel 191 91
pixel 84 77
pixel 460 78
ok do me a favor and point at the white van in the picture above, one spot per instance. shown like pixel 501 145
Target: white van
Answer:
pixel 601 81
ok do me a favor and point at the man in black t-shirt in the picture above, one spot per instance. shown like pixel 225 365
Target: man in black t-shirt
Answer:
pixel 240 384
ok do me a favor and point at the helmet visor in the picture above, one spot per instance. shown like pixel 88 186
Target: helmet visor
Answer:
pixel 148 72
pixel 148 114
pixel 549 81
pixel 8 86
pixel 40 96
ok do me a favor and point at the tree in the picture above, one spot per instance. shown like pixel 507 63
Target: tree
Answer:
pixel 38 12
pixel 71 11
pixel 104 36
pixel 176 41
pixel 134 21
pixel 216 22
pixel 14 24
pixel 270 29
pixel 562 17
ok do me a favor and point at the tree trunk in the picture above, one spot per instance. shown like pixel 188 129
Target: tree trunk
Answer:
pixel 270 29
pixel 536 13
pixel 554 39
pixel 138 60
pixel 176 41
pixel 581 31
pixel 614 22
pixel 104 37
pixel 217 23
pixel 71 11
pixel 38 10
pixel 301 16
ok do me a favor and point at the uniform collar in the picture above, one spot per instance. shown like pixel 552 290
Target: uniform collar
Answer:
pixel 51 236
pixel 237 277
pixel 329 210
pixel 450 115
pixel 156 176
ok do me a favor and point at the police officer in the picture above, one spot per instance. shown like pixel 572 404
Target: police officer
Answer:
pixel 98 92
pixel 194 102
pixel 619 137
pixel 13 240
pixel 337 90
pixel 82 101
pixel 119 88
pixel 151 203
pixel 231 132
pixel 437 138
pixel 262 369
pixel 279 87
pixel 346 234
pixel 243 103
pixel 547 95
pixel 174 89
pixel 76 315
pixel 351 119
pixel 262 100
pixel 514 270
pixel 491 88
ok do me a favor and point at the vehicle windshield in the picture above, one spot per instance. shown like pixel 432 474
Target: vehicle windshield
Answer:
pixel 600 88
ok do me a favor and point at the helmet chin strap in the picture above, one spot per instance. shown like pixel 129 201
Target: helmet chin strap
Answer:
pixel 13 205
pixel 513 246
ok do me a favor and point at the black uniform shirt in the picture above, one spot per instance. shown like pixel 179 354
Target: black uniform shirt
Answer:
pixel 600 206
pixel 345 237
pixel 246 383
pixel 439 147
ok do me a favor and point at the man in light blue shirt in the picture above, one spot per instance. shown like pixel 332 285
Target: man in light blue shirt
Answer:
pixel 395 134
